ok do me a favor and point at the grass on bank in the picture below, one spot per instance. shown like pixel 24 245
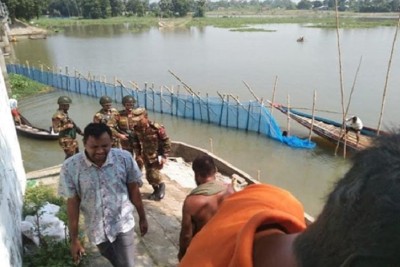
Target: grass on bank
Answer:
pixel 236 18
pixel 50 253
pixel 23 87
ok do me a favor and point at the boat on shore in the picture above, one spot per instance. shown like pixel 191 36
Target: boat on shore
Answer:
pixel 332 130
pixel 31 131
pixel 159 247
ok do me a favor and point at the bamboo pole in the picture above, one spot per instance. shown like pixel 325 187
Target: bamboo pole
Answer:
pixel 340 74
pixel 208 109
pixel 260 116
pixel 145 95
pixel 273 94
pixel 211 145
pixel 187 87
pixel 252 92
pixel 348 107
pixel 222 107
pixel 313 115
pixel 288 115
pixel 248 117
pixel 387 75
pixel 134 84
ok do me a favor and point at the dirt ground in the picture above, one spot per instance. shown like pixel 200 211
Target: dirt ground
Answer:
pixel 20 28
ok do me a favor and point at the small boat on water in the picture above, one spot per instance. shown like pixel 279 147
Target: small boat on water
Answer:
pixel 28 130
pixel 331 130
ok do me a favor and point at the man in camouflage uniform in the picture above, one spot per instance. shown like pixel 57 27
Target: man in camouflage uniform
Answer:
pixel 65 127
pixel 109 116
pixel 125 123
pixel 151 145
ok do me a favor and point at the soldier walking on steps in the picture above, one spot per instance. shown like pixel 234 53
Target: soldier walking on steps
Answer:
pixel 151 145
pixel 125 123
pixel 65 127
pixel 109 116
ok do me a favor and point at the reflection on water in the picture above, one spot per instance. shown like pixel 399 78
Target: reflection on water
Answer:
pixel 212 60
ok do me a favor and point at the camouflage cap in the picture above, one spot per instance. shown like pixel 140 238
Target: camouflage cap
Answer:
pixel 138 114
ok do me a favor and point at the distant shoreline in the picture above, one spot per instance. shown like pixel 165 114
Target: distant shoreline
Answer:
pixel 233 19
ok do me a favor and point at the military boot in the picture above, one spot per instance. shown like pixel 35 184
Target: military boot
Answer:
pixel 161 191
pixel 154 195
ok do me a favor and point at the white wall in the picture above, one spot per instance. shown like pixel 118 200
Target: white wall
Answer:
pixel 12 186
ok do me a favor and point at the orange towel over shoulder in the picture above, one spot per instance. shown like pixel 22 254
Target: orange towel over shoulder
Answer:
pixel 227 239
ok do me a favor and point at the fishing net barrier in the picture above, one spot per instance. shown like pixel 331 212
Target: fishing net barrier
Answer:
pixel 225 111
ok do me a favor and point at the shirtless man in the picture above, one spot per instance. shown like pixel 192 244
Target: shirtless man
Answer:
pixel 263 225
pixel 202 202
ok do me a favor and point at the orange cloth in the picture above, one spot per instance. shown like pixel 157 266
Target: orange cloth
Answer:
pixel 15 112
pixel 227 239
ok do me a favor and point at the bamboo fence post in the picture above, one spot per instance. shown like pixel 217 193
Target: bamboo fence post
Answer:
pixel 288 115
pixel 171 92
pixel 387 76
pixel 237 109
pixel 208 108
pixel 177 99
pixel 145 95
pixel 222 107
pixel 248 117
pixel 227 111
pixel 340 74
pixel 67 77
pixel 273 94
pixel 251 91
pixel 260 115
pixel 28 68
pixel 115 87
pixel 41 73
pixel 272 104
pixel 313 115
pixel 161 98
pixel 154 96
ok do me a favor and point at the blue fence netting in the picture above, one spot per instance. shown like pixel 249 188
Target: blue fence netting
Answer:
pixel 223 111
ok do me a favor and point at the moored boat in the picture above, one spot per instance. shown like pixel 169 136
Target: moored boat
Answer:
pixel 331 130
pixel 28 130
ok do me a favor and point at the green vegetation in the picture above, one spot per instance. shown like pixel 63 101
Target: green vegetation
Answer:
pixel 23 87
pixel 238 20
pixel 49 253
pixel 251 30
pixel 101 9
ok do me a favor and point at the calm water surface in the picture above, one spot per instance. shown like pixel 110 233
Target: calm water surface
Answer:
pixel 210 60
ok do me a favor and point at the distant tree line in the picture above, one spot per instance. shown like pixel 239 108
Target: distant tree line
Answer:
pixel 353 5
pixel 94 9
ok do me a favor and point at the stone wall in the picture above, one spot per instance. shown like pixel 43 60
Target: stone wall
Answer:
pixel 12 186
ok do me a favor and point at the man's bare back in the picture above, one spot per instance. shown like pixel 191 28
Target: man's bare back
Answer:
pixel 203 202
pixel 201 208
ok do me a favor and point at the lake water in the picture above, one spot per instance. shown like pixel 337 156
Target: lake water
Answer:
pixel 212 60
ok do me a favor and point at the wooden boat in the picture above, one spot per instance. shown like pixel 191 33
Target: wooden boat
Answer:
pixel 28 130
pixel 332 130
pixel 300 39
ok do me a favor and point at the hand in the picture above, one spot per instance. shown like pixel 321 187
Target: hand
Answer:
pixel 70 125
pixel 161 161
pixel 77 251
pixel 123 137
pixel 143 226
pixel 140 162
